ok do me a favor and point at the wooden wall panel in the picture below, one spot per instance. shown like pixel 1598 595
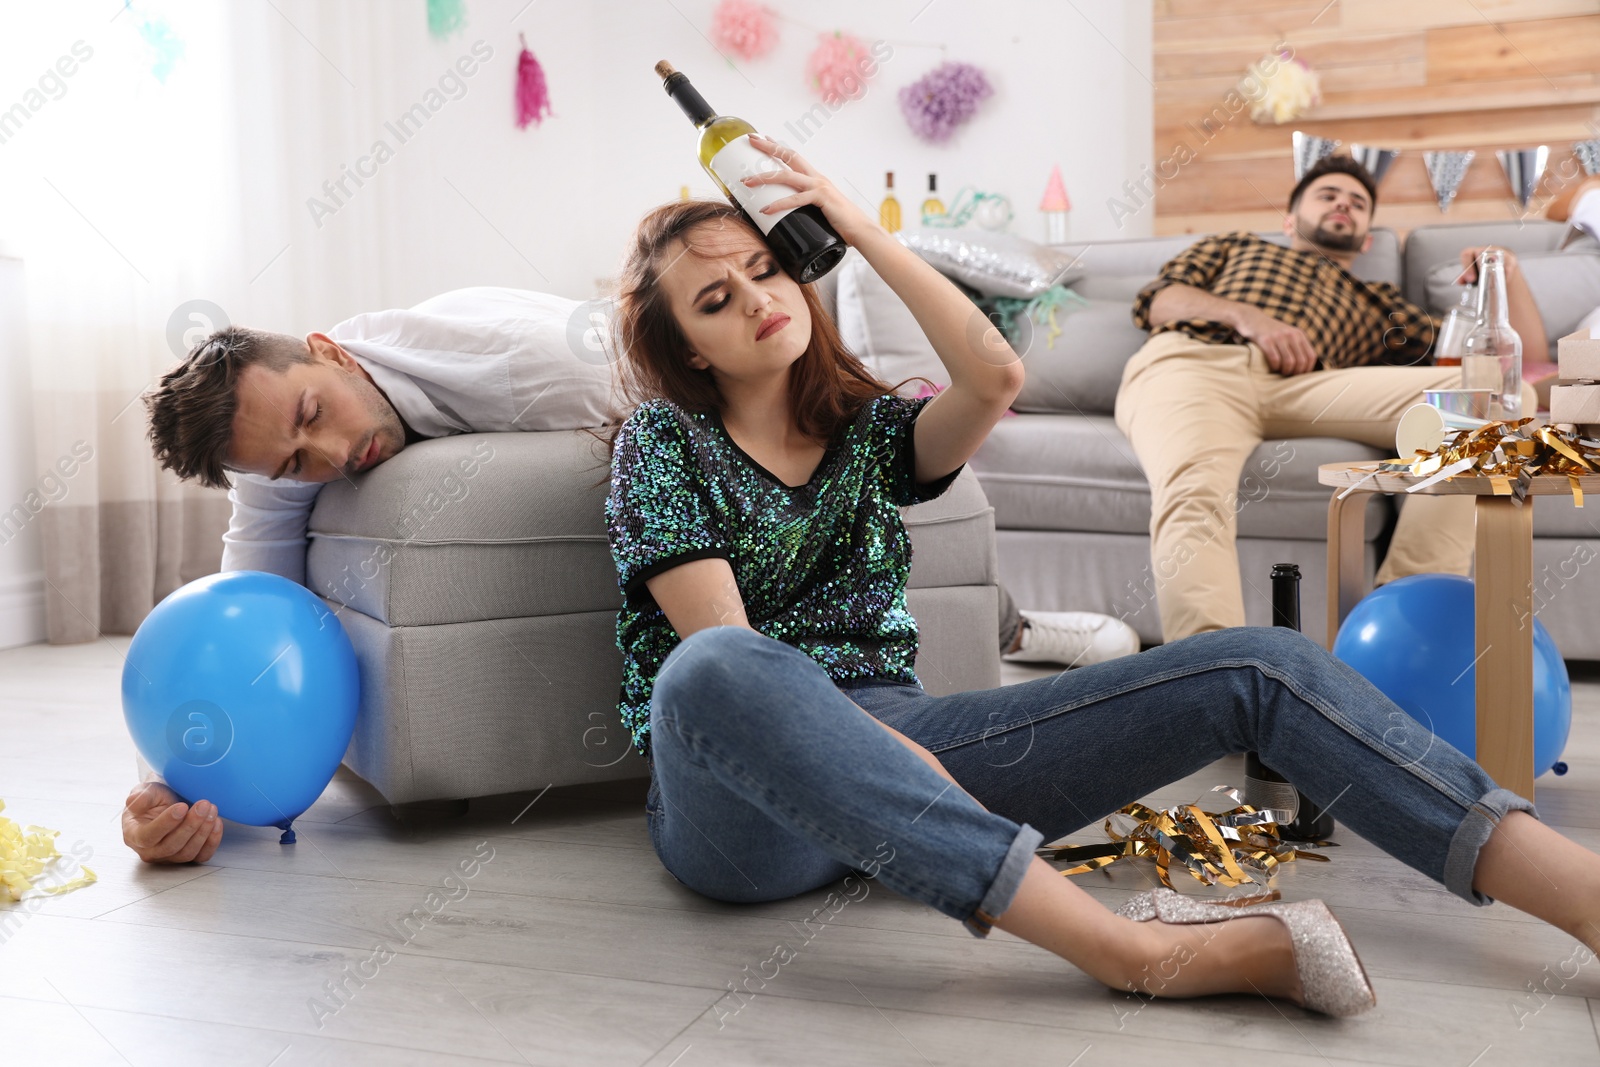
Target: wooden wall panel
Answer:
pixel 1364 15
pixel 1415 75
pixel 1535 49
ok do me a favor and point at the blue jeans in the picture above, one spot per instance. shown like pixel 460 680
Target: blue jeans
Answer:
pixel 766 781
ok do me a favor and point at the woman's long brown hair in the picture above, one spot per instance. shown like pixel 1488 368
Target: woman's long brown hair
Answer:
pixel 828 384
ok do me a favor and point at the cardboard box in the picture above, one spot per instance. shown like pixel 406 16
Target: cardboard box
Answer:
pixel 1578 355
pixel 1578 404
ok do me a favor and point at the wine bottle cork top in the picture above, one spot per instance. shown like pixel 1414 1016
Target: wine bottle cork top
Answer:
pixel 665 69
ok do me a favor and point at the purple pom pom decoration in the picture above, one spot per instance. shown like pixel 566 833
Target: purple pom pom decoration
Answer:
pixel 935 104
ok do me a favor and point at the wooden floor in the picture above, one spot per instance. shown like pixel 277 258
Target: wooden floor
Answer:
pixel 573 945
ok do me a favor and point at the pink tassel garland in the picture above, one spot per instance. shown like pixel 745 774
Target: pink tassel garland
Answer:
pixel 533 95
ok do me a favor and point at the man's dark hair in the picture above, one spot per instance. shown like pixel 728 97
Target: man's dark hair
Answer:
pixel 1334 165
pixel 191 410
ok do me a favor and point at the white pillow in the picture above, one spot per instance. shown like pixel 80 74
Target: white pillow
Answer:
pixel 877 326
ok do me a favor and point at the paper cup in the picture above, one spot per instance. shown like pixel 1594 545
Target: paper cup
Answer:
pixel 1477 403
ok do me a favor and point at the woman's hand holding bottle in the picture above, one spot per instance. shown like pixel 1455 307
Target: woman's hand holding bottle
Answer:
pixel 811 187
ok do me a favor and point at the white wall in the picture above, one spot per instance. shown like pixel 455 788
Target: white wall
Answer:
pixel 471 200
pixel 200 185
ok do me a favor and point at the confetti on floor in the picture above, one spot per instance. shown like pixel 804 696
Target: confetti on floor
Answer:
pixel 26 856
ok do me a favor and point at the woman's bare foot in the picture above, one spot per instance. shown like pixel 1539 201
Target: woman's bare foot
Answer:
pixel 1250 954
pixel 1533 868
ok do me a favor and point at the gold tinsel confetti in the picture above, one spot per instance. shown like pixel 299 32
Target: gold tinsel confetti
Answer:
pixel 1231 848
pixel 24 855
pixel 1509 453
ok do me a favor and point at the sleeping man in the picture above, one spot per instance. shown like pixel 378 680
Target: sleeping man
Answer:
pixel 281 416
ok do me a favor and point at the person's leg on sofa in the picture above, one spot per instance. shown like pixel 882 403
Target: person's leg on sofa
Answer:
pixel 1070 638
pixel 1189 410
pixel 1434 534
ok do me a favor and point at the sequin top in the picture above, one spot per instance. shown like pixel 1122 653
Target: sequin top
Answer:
pixel 822 566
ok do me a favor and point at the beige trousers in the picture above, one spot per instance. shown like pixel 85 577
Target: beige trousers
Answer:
pixel 1195 412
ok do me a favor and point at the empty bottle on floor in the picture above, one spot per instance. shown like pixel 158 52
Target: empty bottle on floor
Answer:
pixel 1263 786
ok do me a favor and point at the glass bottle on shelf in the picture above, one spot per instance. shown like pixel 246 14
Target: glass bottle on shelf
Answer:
pixel 889 210
pixel 1458 322
pixel 1491 355
pixel 933 205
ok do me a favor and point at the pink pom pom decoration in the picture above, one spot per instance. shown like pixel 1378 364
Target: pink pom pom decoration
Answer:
pixel 943 99
pixel 746 29
pixel 838 69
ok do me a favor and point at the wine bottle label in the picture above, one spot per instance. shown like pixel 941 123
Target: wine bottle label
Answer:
pixel 739 159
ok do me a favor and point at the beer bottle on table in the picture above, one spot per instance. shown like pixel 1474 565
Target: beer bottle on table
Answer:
pixel 1263 786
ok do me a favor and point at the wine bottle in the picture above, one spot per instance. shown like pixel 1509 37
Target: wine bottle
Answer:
pixel 1263 786
pixel 933 205
pixel 889 210
pixel 801 239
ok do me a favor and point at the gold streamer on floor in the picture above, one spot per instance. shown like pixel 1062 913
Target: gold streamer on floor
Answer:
pixel 1235 847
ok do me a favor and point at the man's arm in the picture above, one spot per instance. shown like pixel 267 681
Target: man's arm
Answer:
pixel 268 529
pixel 1525 317
pixel 1181 293
pixel 1289 351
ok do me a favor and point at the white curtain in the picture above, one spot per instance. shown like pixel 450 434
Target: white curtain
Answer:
pixel 155 169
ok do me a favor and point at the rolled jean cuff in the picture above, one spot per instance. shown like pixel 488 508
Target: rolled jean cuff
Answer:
pixel 1019 857
pixel 1462 860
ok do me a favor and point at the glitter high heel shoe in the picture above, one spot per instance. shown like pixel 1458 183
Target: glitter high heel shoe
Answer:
pixel 1331 975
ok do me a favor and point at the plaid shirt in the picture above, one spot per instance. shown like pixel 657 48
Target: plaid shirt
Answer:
pixel 1348 321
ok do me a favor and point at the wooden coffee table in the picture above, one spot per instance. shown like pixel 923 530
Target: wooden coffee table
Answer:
pixel 1503 600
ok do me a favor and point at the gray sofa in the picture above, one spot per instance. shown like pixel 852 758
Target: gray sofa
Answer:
pixel 482 605
pixel 1072 508
pixel 474 578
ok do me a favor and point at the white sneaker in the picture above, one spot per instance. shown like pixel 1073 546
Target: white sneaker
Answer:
pixel 1073 638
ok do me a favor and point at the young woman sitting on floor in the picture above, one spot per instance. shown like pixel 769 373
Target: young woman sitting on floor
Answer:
pixel 768 654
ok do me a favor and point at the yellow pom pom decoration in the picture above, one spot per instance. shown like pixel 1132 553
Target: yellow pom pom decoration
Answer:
pixel 1287 92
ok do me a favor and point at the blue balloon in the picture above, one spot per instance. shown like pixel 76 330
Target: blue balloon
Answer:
pixel 1413 638
pixel 241 688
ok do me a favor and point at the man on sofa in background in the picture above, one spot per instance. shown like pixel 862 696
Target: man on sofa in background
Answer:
pixel 1250 340
pixel 285 415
